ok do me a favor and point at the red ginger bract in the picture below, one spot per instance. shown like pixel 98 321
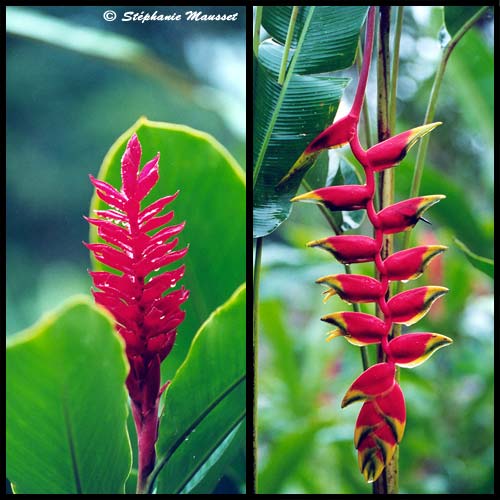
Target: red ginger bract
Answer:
pixel 136 245
pixel 382 419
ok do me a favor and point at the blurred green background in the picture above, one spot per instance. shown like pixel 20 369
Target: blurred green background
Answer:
pixel 65 109
pixel 305 439
pixel 75 83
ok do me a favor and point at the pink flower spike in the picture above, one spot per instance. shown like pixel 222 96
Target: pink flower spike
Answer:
pixel 147 311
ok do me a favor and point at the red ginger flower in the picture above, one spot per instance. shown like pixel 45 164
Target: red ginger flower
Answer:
pixel 146 318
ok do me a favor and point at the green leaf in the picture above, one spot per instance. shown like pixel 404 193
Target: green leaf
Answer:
pixel 471 77
pixel 331 40
pixel 482 263
pixel 309 105
pixel 286 454
pixel 66 406
pixel 131 484
pixel 308 108
pixel 211 201
pixel 207 477
pixel 206 400
pixel 454 17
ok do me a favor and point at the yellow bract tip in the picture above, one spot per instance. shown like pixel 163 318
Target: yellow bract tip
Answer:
pixel 333 334
pixel 311 196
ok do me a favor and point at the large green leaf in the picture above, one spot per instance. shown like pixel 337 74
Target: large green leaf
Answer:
pixel 211 201
pixel 308 108
pixel 206 400
pixel 471 77
pixel 66 406
pixel 331 40
pixel 309 104
pixel 207 477
pixel 454 17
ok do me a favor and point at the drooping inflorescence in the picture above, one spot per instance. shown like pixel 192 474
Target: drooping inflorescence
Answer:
pixel 381 421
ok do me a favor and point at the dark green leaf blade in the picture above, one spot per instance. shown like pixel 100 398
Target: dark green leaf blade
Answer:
pixel 331 40
pixel 454 17
pixel 207 399
pixel 209 475
pixel 67 405
pixel 308 108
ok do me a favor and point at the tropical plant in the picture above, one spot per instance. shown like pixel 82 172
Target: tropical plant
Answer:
pixel 336 187
pixel 69 424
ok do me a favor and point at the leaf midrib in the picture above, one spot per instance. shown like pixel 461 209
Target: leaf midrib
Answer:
pixel 210 450
pixel 69 434
pixel 204 414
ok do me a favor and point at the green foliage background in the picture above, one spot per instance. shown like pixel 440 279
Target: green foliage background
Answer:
pixel 305 439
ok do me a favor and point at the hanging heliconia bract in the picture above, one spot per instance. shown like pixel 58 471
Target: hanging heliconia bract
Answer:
pixel 381 421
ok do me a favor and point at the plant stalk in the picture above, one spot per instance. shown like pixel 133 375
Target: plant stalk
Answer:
pixel 147 433
pixel 387 483
pixel 364 109
pixel 288 43
pixel 255 351
pixel 256 32
pixel 429 118
pixel 395 68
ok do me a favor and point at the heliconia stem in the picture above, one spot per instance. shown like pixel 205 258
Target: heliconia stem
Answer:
pixel 381 422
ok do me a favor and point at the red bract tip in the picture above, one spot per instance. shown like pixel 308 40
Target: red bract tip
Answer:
pixel 352 287
pixel 349 197
pixel 349 249
pixel 376 381
pixel 390 152
pixel 336 135
pixel 404 215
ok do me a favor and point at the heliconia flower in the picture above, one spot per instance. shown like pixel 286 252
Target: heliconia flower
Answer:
pixel 412 349
pixel 404 215
pixel 390 152
pixel 348 197
pixel 375 451
pixel 357 328
pixel 336 135
pixel 379 428
pixel 409 264
pixel 377 380
pixel 147 312
pixel 392 407
pixel 352 287
pixel 381 422
pixel 349 249
pixel 409 306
